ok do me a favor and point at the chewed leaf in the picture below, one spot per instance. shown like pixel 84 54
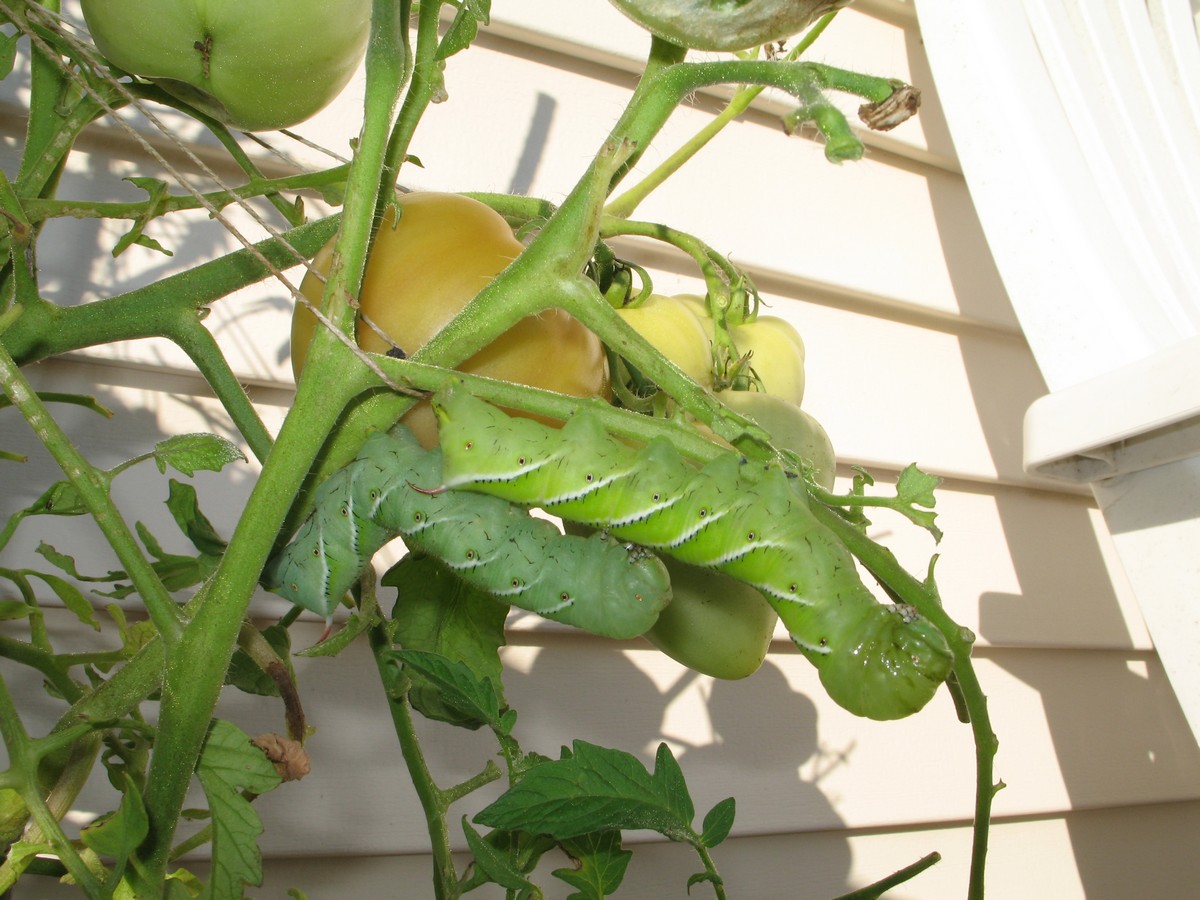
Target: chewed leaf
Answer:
pixel 191 453
pixel 120 834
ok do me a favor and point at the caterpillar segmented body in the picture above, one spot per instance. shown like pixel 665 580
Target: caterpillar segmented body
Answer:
pixel 594 583
pixel 748 520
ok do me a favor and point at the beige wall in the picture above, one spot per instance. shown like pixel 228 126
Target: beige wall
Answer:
pixel 913 355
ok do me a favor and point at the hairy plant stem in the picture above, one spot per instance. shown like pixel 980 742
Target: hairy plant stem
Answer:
pixel 623 206
pixel 195 667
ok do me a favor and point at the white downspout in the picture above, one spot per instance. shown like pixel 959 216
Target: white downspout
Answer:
pixel 1076 124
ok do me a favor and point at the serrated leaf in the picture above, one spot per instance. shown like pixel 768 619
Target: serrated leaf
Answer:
pixel 437 612
pixel 229 764
pixel 915 488
pixel 494 864
pixel 593 788
pixel 472 698
pixel 718 822
pixel 670 780
pixel 192 453
pixel 600 865
pixel 184 507
pixel 119 835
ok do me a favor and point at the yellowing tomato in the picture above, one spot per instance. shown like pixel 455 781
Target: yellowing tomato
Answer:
pixel 423 269
pixel 669 324
pixel 776 348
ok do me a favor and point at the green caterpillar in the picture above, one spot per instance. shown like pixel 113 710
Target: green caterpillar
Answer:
pixel 749 521
pixel 594 583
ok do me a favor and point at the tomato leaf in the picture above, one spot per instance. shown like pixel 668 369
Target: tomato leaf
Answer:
pixel 245 674
pixel 718 822
pixel 465 27
pixel 466 699
pixel 119 834
pixel 494 864
pixel 189 453
pixel 595 788
pixel 600 865
pixel 439 613
pixel 228 765
pixel 184 507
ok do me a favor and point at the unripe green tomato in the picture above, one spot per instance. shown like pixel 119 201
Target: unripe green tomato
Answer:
pixel 776 348
pixel 725 24
pixel 255 65
pixel 791 428
pixel 714 624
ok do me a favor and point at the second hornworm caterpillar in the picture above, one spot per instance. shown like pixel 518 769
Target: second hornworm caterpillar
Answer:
pixel 750 521
pixel 594 583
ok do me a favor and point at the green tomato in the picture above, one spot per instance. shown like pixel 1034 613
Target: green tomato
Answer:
pixel 725 24
pixel 255 65
pixel 714 624
pixel 791 428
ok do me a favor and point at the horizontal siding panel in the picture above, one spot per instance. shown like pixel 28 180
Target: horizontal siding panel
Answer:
pixel 1083 854
pixel 794 761
pixel 1020 567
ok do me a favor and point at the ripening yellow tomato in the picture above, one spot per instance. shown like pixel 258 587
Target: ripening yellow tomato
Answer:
pixel 776 348
pixel 423 269
pixel 671 326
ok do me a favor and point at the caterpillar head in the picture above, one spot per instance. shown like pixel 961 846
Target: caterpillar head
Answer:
pixel 887 668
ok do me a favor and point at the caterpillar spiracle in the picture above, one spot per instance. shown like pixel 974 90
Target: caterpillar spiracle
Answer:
pixel 751 521
pixel 595 583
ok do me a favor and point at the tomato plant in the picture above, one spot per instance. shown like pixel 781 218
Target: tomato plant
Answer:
pixel 423 269
pixel 254 66
pixel 432 284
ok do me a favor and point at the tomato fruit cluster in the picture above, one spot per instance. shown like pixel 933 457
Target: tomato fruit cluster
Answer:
pixel 255 66
pixel 715 624
pixel 431 255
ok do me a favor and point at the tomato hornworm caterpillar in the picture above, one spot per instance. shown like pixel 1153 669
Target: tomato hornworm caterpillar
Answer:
pixel 751 521
pixel 594 583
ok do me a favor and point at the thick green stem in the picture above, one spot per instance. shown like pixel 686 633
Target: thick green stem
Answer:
pixel 196 666
pixel 47 330
pixel 433 804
